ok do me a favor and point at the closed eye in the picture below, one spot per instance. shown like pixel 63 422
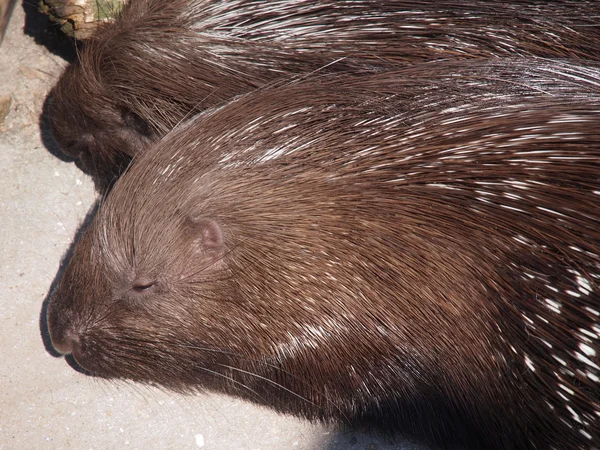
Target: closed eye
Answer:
pixel 143 287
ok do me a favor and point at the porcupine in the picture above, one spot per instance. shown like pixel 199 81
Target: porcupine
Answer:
pixel 159 62
pixel 414 251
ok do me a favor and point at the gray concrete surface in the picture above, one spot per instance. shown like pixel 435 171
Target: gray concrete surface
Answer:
pixel 44 403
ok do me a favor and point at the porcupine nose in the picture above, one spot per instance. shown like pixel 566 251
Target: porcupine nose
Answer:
pixel 61 329
pixel 64 341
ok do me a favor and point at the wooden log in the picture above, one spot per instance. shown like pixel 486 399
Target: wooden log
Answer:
pixel 79 18
pixel 6 8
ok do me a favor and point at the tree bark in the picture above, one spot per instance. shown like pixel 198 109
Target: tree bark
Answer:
pixel 79 18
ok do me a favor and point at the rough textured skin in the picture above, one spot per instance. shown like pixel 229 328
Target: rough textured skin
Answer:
pixel 160 62
pixel 417 251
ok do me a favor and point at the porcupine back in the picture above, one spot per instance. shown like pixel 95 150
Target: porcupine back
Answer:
pixel 160 61
pixel 418 251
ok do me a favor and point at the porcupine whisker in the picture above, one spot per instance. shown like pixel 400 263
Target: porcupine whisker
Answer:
pixel 237 355
pixel 193 111
pixel 131 358
pixel 277 385
pixel 230 379
pixel 142 343
pixel 296 79
pixel 219 259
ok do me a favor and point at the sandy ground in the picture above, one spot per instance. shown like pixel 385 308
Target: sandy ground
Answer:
pixel 44 403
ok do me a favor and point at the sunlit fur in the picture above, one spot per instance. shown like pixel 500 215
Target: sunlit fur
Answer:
pixel 418 249
pixel 161 61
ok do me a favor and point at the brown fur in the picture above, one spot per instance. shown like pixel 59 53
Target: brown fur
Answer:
pixel 161 61
pixel 418 251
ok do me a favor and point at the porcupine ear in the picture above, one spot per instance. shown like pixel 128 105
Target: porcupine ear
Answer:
pixel 209 241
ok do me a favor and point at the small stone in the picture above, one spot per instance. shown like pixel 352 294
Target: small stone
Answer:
pixel 199 440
